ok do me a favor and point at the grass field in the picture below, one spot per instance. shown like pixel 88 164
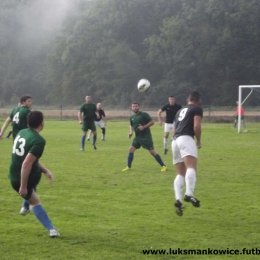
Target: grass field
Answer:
pixel 104 213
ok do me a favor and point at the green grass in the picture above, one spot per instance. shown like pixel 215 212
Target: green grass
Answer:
pixel 104 213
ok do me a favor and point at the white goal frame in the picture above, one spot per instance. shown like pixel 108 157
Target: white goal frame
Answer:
pixel 240 102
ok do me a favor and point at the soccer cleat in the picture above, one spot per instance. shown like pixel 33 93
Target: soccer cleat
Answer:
pixel 88 139
pixel 194 201
pixel 82 149
pixel 165 151
pixel 103 139
pixel 164 169
pixel 24 211
pixel 178 208
pixel 54 233
pixel 94 146
pixel 126 169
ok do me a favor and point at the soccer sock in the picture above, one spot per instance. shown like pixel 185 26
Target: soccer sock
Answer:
pixel 25 204
pixel 178 186
pixel 94 139
pixel 190 179
pixel 235 124
pixel 10 132
pixel 159 159
pixel 165 143
pixel 244 124
pixel 89 134
pixel 130 159
pixel 83 141
pixel 42 216
pixel 103 132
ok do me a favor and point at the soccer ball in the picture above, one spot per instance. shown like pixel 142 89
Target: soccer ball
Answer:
pixel 143 85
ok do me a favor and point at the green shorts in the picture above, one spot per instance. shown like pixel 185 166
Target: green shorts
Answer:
pixel 145 141
pixel 88 125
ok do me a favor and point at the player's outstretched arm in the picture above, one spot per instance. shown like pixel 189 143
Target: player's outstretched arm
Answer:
pixel 48 174
pixel 5 125
pixel 159 116
pixel 25 172
pixel 197 130
pixel 80 117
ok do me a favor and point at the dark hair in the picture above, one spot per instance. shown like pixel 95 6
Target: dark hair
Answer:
pixel 171 96
pixel 24 98
pixel 34 119
pixel 135 103
pixel 194 96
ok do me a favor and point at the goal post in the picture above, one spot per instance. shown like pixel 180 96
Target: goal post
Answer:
pixel 241 102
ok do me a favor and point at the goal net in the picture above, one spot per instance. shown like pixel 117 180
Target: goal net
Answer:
pixel 241 101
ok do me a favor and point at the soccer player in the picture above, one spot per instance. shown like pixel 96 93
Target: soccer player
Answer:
pixel 242 112
pixel 26 170
pixel 140 122
pixel 184 149
pixel 89 112
pixel 11 131
pixel 18 116
pixel 101 122
pixel 171 109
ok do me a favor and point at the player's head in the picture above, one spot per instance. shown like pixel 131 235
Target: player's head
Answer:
pixel 26 101
pixel 88 99
pixel 98 106
pixel 135 107
pixel 35 119
pixel 171 100
pixel 194 98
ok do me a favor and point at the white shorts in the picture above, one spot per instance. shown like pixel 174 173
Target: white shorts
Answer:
pixel 183 146
pixel 100 123
pixel 168 127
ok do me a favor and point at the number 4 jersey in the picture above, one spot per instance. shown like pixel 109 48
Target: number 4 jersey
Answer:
pixel 19 119
pixel 27 141
pixel 184 120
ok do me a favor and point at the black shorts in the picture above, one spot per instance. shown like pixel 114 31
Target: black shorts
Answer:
pixel 30 189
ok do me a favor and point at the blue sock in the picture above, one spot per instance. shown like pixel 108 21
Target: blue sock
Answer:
pixel 94 139
pixel 25 204
pixel 83 141
pixel 159 159
pixel 42 216
pixel 130 159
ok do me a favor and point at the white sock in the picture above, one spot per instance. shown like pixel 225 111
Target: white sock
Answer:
pixel 89 134
pixel 190 179
pixel 178 186
pixel 165 143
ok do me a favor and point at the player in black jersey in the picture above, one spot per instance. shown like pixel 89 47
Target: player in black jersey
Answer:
pixel 170 109
pixel 184 149
pixel 101 122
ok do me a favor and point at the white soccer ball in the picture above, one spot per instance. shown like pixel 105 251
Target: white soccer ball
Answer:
pixel 143 85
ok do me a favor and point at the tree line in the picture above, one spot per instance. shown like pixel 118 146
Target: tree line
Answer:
pixel 103 47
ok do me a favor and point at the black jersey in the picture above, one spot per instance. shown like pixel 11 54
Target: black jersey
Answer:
pixel 170 112
pixel 184 120
pixel 101 114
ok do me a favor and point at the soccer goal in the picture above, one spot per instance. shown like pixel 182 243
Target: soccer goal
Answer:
pixel 241 102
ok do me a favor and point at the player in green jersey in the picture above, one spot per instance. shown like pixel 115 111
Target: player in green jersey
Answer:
pixel 26 170
pixel 89 112
pixel 140 122
pixel 18 116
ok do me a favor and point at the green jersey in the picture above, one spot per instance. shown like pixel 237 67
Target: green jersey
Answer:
pixel 27 141
pixel 142 118
pixel 19 119
pixel 88 111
